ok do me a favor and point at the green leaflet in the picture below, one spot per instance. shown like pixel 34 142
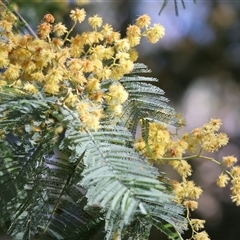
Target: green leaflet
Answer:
pixel 146 103
pixel 175 5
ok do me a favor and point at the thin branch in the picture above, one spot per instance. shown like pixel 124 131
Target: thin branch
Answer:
pixel 26 25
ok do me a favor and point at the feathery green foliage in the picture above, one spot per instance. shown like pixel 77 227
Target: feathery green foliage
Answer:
pixel 80 123
pixel 38 190
pixel 146 102
pixel 98 175
pixel 118 180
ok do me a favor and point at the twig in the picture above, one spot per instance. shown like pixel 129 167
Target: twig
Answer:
pixel 26 25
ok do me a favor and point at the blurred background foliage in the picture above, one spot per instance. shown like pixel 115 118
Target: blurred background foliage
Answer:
pixel 198 66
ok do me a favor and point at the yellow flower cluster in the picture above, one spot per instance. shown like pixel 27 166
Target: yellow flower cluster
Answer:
pixel 196 225
pixel 230 172
pixel 207 137
pixel 201 236
pixel 235 188
pixel 158 140
pixel 187 193
pixel 73 68
pixel 163 147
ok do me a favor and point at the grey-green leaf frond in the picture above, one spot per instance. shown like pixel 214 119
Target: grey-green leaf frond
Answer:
pixel 119 180
pixel 38 185
pixel 64 186
pixel 145 102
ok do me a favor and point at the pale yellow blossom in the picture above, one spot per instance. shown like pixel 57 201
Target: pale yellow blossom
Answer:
pixel 155 33
pixel 133 55
pixel 71 99
pixel 95 21
pixel 78 15
pixel 191 204
pixel 223 180
pixel 229 161
pixel 197 224
pixel 117 94
pixel 143 21
pixel 92 84
pixel 12 72
pixel 60 29
pixel 235 171
pixel 51 88
pixel 201 236
pixel 133 31
pixel 6 25
pixel 122 45
pixel 30 88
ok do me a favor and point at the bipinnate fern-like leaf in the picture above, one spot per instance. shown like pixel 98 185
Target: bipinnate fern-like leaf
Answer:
pixel 66 186
pixel 119 180
pixel 145 104
pixel 39 195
